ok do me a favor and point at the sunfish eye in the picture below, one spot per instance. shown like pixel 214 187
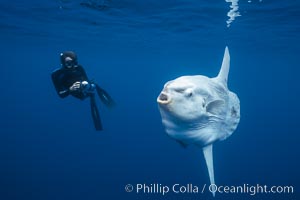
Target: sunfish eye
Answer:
pixel 190 94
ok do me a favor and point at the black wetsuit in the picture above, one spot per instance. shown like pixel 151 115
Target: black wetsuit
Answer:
pixel 64 78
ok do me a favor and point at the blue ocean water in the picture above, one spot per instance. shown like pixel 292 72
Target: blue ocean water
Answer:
pixel 48 146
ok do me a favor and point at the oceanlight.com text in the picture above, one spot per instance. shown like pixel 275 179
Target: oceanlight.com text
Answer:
pixel 251 189
pixel 164 189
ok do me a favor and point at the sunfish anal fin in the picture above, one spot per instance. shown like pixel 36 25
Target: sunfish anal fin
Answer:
pixel 208 155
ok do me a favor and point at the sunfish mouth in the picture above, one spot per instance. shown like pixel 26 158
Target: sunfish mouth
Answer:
pixel 163 98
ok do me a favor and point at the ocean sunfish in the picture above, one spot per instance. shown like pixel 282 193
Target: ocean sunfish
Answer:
pixel 200 110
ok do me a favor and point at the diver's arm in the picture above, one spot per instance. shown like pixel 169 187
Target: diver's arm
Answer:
pixel 63 93
pixel 60 89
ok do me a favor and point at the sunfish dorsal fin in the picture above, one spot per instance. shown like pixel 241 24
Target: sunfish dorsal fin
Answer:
pixel 208 155
pixel 223 74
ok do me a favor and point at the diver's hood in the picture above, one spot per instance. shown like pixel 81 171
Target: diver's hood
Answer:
pixel 70 54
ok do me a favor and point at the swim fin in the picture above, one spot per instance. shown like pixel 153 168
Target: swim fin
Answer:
pixel 105 97
pixel 95 114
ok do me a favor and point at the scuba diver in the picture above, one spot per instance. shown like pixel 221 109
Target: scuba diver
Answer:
pixel 71 79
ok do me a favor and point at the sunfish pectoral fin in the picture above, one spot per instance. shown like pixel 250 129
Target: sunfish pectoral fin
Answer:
pixel 215 107
pixel 223 74
pixel 208 155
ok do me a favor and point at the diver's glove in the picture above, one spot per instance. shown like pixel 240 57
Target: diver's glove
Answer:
pixel 75 87
pixel 83 86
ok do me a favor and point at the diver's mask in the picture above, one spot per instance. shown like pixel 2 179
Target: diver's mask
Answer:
pixel 70 63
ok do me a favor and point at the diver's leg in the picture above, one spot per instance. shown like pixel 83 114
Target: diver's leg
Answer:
pixel 95 114
pixel 104 96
